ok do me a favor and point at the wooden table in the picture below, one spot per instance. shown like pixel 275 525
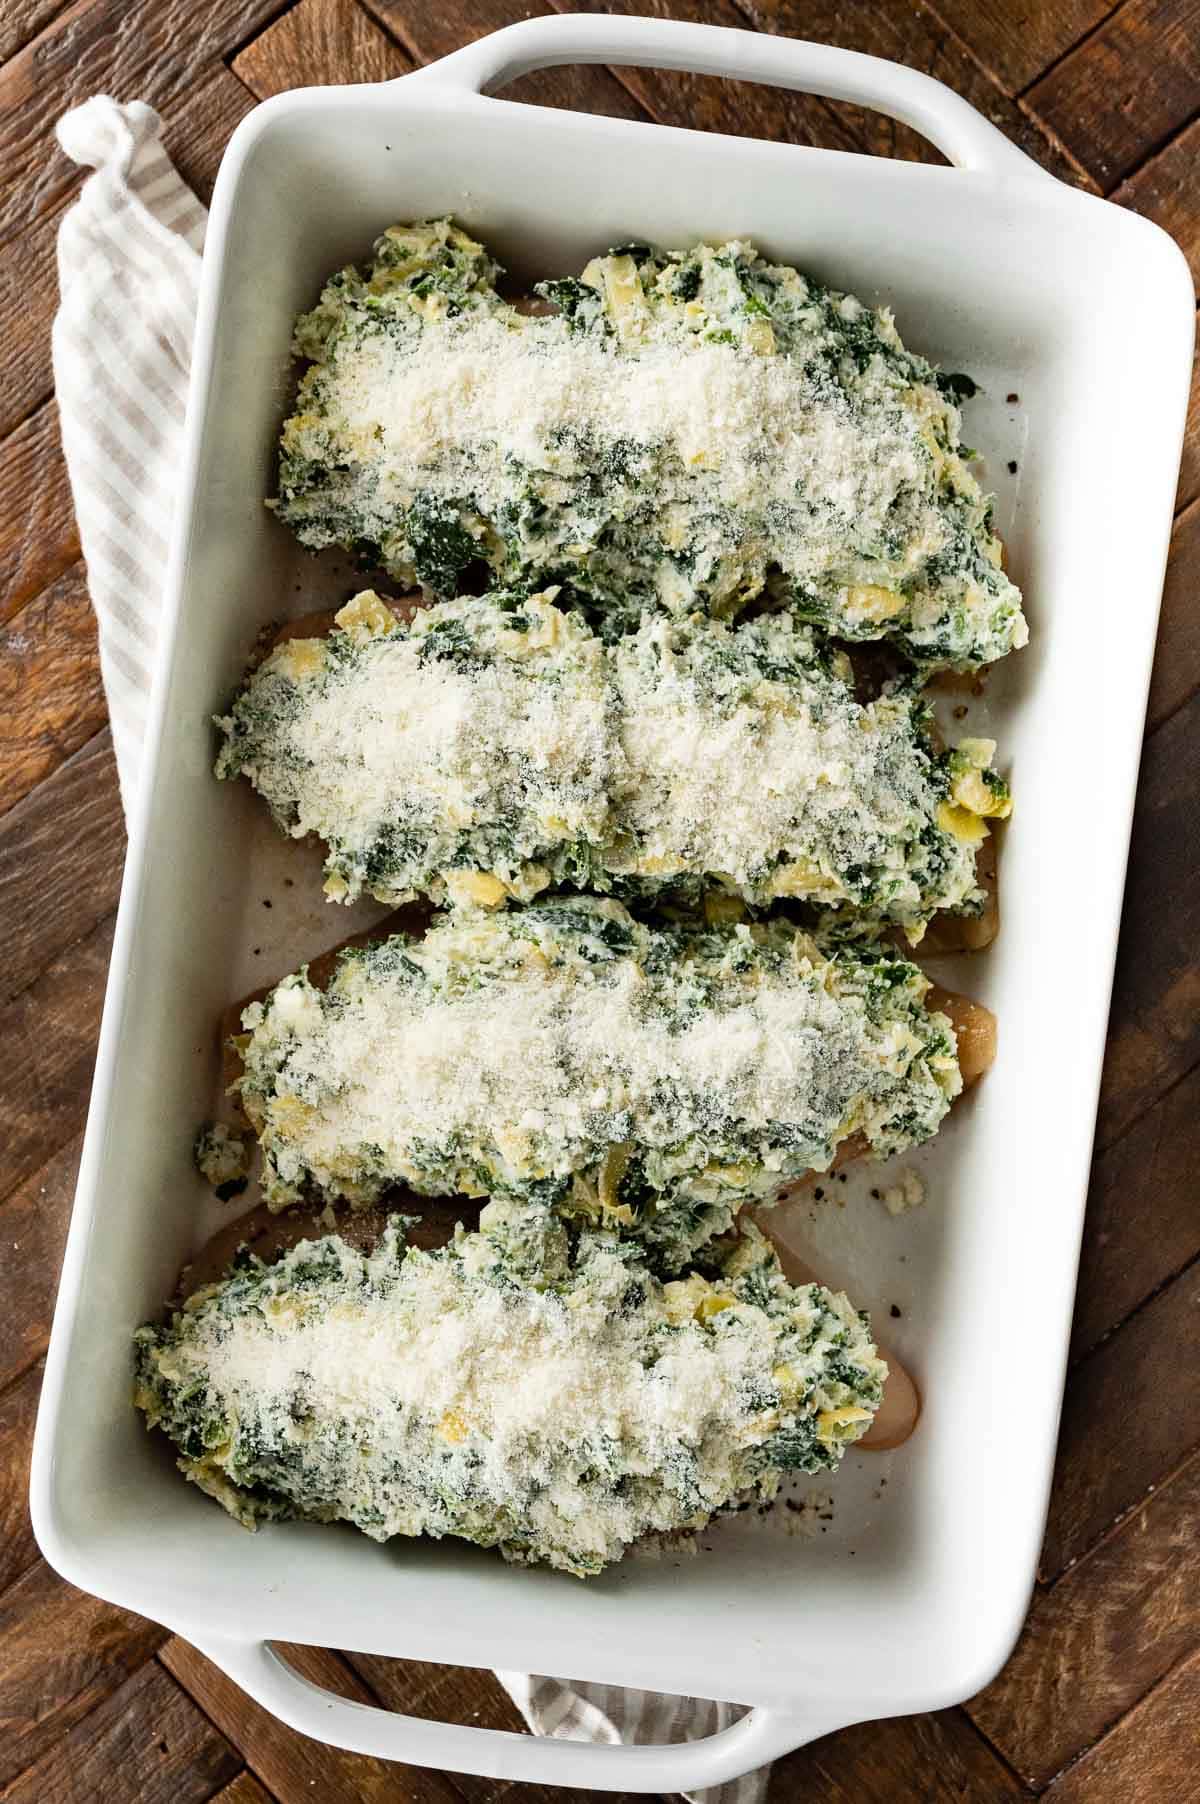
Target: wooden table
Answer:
pixel 1101 1700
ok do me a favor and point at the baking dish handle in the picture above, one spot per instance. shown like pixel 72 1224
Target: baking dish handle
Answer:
pixel 958 130
pixel 760 1736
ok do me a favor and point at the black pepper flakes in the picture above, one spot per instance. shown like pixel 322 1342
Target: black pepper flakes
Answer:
pixel 1012 399
pixel 895 1313
pixel 1012 466
pixel 819 1193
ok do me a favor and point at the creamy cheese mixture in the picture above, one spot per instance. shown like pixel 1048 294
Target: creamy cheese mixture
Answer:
pixel 505 1390
pixel 688 429
pixel 652 1077
pixel 496 746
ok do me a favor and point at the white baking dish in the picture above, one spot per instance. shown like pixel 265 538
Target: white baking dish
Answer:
pixel 913 1598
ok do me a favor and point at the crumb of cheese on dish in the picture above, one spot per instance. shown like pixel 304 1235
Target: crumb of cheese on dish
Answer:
pixel 908 1192
pixel 556 1405
pixel 653 1078
pixel 689 429
pixel 495 746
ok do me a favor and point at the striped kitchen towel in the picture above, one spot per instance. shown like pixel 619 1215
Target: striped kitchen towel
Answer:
pixel 129 270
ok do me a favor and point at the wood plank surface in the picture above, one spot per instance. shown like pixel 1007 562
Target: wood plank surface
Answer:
pixel 1143 1225
pixel 245 1789
pixel 28 297
pixel 147 1744
pixel 154 52
pixel 1154 1029
pixel 39 540
pixel 1189 469
pixel 1096 1643
pixel 940 1758
pixel 319 41
pixel 49 1033
pixel 913 34
pixel 1017 42
pixel 33 1232
pixel 71 821
pixel 21 20
pixel 18 1409
pixel 1150 1754
pixel 51 699
pixel 1123 1429
pixel 1101 1700
pixel 1127 89
pixel 1176 674
pixel 61 1654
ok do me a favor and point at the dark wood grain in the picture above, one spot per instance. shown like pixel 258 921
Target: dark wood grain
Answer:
pixel 1143 1225
pixel 147 1744
pixel 936 1759
pixel 49 1035
pixel 21 20
pixel 33 1232
pixel 1097 1642
pixel 61 1654
pixel 245 1789
pixel 319 41
pixel 39 540
pixel 18 1410
pixel 51 699
pixel 1189 468
pixel 1151 1754
pixel 1176 673
pixel 68 825
pixel 1154 1033
pixel 28 298
pixel 294 1769
pixel 1017 42
pixel 432 28
pixel 912 34
pixel 1127 88
pixel 155 52
pixel 1125 1425
pixel 1165 190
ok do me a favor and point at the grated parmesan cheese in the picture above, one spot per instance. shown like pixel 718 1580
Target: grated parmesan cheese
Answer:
pixel 908 1192
pixel 654 1077
pixel 559 1409
pixel 689 430
pixel 496 746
